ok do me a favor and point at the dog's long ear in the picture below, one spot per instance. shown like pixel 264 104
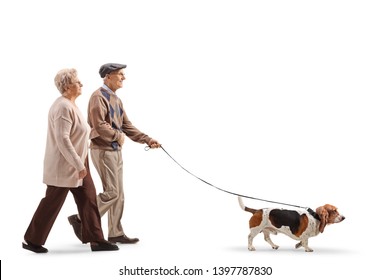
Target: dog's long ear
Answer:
pixel 323 213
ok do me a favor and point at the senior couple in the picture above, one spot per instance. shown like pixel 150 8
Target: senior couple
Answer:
pixel 66 165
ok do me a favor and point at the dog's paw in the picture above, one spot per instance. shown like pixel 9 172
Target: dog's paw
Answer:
pixel 298 245
pixel 308 249
pixel 276 247
pixel 251 248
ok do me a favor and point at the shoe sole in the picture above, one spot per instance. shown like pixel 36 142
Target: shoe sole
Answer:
pixel 103 249
pixel 28 247
pixel 71 221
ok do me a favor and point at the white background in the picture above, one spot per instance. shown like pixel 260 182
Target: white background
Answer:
pixel 281 100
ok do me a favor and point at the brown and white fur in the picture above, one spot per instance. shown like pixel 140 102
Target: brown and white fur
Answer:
pixel 297 224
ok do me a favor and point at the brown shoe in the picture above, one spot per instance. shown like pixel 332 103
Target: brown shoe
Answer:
pixel 35 248
pixel 123 239
pixel 103 245
pixel 76 224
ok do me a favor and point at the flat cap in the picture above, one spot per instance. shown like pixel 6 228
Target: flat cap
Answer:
pixel 110 67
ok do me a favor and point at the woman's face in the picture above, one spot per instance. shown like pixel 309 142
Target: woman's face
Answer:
pixel 74 88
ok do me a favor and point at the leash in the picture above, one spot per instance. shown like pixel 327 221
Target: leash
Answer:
pixel 147 148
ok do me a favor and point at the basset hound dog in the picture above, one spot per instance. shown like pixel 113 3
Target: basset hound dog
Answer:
pixel 297 224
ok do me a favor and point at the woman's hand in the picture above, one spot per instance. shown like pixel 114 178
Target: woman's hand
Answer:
pixel 83 173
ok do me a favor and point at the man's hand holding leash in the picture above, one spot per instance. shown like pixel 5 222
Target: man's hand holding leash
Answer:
pixel 154 144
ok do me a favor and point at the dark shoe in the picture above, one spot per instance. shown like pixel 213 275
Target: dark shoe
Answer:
pixel 103 245
pixel 123 239
pixel 35 248
pixel 76 224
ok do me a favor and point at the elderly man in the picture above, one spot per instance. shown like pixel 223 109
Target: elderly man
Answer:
pixel 109 127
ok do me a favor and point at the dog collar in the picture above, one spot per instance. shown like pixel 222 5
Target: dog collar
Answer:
pixel 314 214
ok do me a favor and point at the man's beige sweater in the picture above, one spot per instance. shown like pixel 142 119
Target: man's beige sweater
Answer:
pixel 104 108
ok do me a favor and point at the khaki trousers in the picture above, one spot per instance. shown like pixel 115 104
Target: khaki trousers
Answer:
pixel 109 166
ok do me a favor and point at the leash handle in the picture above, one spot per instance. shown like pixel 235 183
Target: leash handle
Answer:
pixel 147 148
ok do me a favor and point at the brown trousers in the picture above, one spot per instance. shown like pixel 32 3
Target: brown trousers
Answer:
pixel 50 206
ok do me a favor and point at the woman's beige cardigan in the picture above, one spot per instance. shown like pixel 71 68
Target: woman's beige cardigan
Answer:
pixel 66 145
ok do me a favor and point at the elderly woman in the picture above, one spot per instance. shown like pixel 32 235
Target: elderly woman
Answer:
pixel 66 169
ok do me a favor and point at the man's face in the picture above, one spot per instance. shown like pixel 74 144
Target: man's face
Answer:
pixel 115 79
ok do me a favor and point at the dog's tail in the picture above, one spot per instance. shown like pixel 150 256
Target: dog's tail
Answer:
pixel 243 207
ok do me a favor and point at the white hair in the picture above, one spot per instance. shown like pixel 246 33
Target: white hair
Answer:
pixel 64 78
